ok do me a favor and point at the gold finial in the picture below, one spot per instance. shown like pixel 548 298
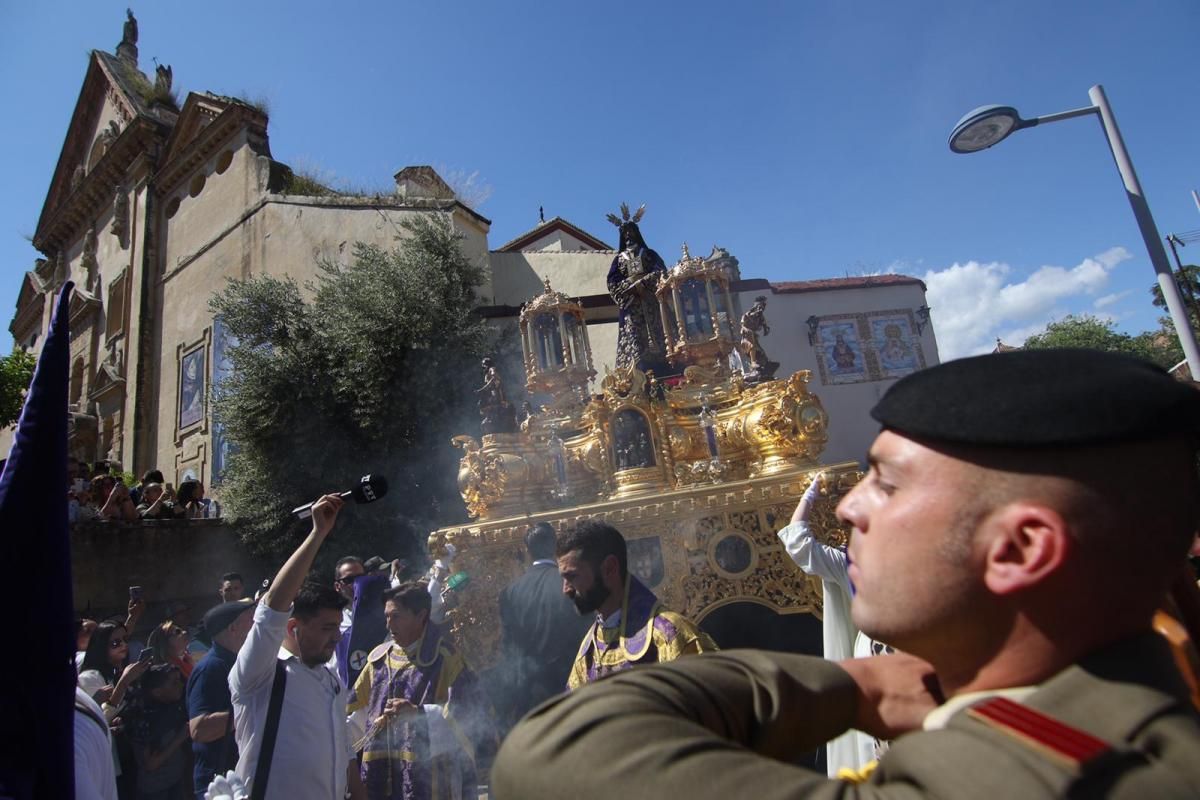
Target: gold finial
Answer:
pixel 687 256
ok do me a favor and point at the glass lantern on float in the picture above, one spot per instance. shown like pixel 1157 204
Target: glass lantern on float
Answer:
pixel 697 313
pixel 558 356
pixel 558 457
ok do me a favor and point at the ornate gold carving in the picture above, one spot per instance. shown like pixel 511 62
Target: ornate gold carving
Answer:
pixel 690 523
pixel 558 354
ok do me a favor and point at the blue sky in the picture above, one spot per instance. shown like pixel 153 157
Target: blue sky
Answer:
pixel 808 138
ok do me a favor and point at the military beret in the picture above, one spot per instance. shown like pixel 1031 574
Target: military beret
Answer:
pixel 1039 398
pixel 218 618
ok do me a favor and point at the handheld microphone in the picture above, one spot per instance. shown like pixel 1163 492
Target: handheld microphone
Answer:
pixel 369 489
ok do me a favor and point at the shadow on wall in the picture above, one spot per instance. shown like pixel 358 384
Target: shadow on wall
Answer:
pixel 172 560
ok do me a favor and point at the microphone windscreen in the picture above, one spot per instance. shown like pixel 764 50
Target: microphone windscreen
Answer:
pixel 369 489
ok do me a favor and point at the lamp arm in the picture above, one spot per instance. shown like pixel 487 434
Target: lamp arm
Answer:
pixel 1061 115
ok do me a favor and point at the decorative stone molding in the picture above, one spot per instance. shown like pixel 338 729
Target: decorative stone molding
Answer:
pixel 120 221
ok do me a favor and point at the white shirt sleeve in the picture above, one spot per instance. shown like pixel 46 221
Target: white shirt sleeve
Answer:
pixel 255 665
pixel 814 558
pixel 95 778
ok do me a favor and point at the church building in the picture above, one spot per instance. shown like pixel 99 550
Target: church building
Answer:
pixel 155 201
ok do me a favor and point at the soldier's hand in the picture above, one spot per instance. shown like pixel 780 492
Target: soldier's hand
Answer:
pixel 895 692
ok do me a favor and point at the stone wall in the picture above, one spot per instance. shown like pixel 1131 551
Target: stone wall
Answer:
pixel 171 560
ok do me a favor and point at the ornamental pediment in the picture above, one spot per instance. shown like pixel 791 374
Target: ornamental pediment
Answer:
pixel 83 306
pixel 113 122
pixel 108 381
pixel 206 123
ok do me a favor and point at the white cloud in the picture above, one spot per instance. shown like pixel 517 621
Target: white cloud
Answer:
pixel 1109 299
pixel 974 303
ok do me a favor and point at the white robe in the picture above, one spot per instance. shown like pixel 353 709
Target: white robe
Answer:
pixel 841 639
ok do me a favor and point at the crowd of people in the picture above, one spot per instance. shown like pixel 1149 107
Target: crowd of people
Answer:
pixel 988 634
pixel 98 492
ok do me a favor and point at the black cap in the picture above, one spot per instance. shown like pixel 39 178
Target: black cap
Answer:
pixel 218 618
pixel 1041 398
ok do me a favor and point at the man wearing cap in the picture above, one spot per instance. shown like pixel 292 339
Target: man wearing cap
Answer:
pixel 210 710
pixel 1023 516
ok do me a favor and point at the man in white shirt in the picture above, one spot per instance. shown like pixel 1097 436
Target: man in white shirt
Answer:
pixel 95 774
pixel 297 624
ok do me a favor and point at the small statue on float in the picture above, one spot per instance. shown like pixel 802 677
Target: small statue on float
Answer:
pixel 632 281
pixel 754 321
pixel 494 408
pixel 525 417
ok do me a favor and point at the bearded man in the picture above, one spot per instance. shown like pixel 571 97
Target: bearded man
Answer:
pixel 631 627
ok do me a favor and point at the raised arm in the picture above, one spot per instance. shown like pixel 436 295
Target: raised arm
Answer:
pixel 255 665
pixel 291 576
pixel 813 557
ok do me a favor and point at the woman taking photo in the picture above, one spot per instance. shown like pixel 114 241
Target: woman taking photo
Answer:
pixel 190 498
pixel 169 643
pixel 104 673
pixel 107 678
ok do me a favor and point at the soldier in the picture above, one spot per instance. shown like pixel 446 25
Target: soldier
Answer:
pixel 1023 516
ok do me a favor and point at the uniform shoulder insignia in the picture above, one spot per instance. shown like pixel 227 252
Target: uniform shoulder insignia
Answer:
pixel 1069 746
pixel 379 652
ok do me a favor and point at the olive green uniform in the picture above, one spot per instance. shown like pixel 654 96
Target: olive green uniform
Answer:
pixel 724 725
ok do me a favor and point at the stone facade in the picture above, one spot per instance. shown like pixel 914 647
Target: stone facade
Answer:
pixel 153 206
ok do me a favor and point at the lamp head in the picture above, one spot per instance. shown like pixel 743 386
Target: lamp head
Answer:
pixel 984 127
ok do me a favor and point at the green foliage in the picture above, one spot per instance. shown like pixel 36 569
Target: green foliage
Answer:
pixel 1188 280
pixel 1091 332
pixel 16 371
pixel 374 374
pixel 259 102
pixel 305 185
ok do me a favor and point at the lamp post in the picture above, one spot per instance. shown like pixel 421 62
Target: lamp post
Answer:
pixel 988 125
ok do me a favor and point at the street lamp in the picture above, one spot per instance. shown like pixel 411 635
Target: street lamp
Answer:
pixel 988 125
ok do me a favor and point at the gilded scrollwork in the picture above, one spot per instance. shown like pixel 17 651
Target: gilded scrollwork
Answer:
pixel 702 463
pixel 703 532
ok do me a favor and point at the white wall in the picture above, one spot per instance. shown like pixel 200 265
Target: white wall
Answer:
pixel 851 428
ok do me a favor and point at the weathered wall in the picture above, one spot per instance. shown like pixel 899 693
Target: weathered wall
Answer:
pixel 285 235
pixel 516 277
pixel 170 560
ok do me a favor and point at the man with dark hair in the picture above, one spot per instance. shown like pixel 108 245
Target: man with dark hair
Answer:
pixel 630 627
pixel 540 630
pixel 151 476
pixel 419 714
pixel 344 572
pixel 296 625
pixel 209 707
pixel 362 625
pixel 1023 516
pixel 232 587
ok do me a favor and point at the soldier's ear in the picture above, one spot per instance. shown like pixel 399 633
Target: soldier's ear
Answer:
pixel 1026 543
